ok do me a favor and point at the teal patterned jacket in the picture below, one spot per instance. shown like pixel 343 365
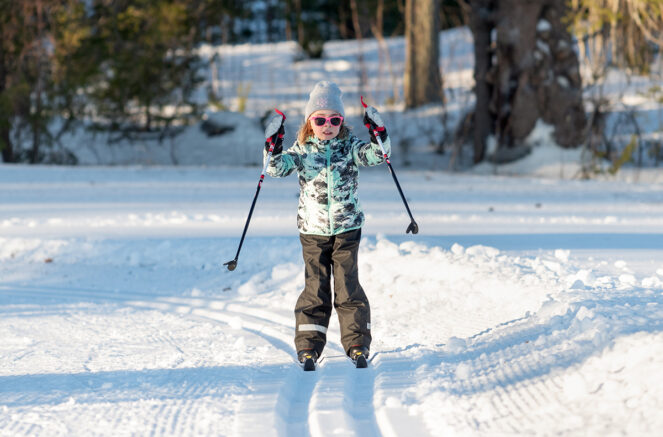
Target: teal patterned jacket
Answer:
pixel 328 177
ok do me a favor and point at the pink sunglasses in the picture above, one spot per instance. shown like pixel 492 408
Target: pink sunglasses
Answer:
pixel 334 120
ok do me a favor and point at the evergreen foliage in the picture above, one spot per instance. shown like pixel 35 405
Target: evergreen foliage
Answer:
pixel 143 60
pixel 127 66
pixel 35 77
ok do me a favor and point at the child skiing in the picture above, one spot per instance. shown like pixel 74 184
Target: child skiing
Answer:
pixel 326 157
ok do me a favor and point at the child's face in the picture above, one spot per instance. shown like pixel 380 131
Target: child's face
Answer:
pixel 327 131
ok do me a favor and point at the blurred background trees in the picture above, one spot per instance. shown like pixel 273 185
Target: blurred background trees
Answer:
pixel 131 68
pixel 624 35
pixel 125 66
pixel 27 71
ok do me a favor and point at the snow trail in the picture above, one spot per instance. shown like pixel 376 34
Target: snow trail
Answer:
pixel 134 328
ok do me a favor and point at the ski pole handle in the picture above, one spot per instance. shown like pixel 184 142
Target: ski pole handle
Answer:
pixel 376 132
pixel 272 143
pixel 377 137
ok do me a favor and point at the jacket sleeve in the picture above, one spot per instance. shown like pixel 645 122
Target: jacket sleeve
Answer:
pixel 285 163
pixel 369 154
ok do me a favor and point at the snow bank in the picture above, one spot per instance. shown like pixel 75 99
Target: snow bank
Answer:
pixel 222 138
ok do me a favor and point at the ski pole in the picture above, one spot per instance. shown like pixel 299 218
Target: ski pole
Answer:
pixel 272 133
pixel 412 227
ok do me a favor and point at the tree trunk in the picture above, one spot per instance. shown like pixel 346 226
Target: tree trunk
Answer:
pixel 384 56
pixel 343 21
pixel 288 25
pixel 535 76
pixel 363 75
pixel 482 22
pixel 422 80
pixel 36 125
pixel 41 66
pixel 300 23
pixel 5 120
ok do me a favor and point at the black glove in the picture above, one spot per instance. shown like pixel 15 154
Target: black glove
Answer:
pixel 278 142
pixel 373 122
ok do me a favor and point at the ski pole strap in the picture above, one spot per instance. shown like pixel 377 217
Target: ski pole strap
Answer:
pixel 273 138
pixel 376 128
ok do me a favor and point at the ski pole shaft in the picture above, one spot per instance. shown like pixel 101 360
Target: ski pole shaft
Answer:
pixel 393 175
pixel 413 226
pixel 233 263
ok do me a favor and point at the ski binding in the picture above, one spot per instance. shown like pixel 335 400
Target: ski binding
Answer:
pixel 307 360
pixel 358 356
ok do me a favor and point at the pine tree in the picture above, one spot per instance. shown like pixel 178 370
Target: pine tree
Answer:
pixel 27 74
pixel 143 53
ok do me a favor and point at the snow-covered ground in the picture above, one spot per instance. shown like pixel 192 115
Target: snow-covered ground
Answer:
pixel 523 306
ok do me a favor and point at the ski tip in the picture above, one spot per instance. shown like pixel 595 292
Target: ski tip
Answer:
pixel 308 365
pixel 362 102
pixel 361 362
pixel 280 113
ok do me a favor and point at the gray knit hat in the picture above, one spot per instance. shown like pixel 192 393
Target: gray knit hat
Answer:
pixel 325 95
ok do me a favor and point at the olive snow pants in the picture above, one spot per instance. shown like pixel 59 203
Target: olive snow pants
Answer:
pixel 324 256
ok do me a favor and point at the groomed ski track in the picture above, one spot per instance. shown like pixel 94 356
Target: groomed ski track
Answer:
pixel 511 361
pixel 336 399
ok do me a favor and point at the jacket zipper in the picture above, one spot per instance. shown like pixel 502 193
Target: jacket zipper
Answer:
pixel 329 190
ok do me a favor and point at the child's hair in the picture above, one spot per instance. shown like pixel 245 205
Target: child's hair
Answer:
pixel 305 131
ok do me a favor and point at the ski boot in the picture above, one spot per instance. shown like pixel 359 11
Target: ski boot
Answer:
pixel 359 355
pixel 307 358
